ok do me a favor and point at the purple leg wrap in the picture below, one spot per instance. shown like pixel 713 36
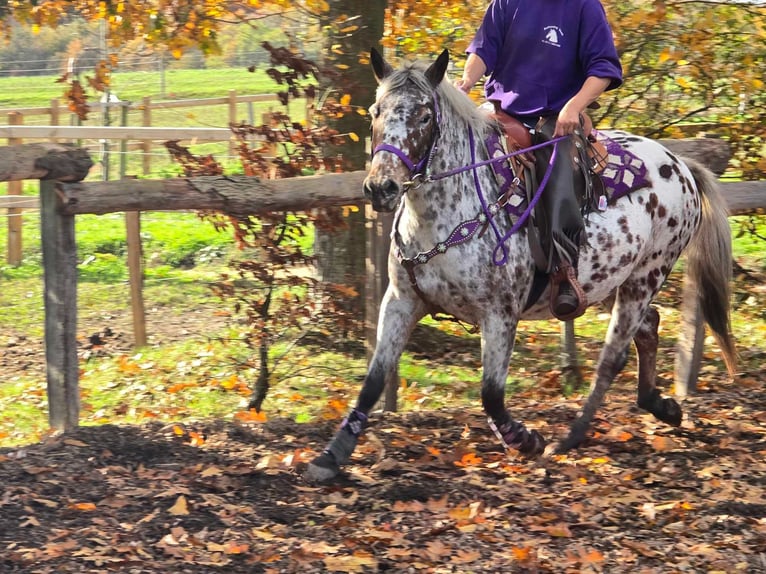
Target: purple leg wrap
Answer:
pixel 355 422
pixel 514 435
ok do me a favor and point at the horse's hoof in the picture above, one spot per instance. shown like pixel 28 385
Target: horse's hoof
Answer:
pixel 533 445
pixel 669 412
pixel 322 469
pixel 666 410
pixel 564 446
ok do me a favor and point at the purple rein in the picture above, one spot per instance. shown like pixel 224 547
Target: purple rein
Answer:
pixel 468 229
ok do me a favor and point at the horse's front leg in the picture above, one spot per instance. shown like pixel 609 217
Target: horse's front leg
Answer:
pixel 497 338
pixel 397 319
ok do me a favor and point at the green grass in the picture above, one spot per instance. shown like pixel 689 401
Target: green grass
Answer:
pixel 197 376
pixel 38 91
pixel 33 91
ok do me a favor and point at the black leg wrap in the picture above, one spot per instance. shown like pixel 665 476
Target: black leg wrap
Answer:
pixel 514 435
pixel 665 409
pixel 327 465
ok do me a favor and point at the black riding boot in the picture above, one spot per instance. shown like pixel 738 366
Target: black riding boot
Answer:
pixel 560 221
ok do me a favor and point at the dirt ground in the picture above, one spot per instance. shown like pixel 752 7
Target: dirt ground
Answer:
pixel 426 492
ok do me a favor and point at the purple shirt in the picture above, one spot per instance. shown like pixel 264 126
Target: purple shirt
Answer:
pixel 538 53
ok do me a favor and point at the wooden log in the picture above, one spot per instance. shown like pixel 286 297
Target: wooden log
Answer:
pixel 234 195
pixel 64 162
pixel 60 278
pixel 744 196
pixel 713 153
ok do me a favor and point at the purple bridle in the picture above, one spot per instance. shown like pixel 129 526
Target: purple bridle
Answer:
pixel 419 169
pixel 466 229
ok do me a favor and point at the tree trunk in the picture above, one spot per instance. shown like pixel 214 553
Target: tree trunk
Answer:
pixel 341 255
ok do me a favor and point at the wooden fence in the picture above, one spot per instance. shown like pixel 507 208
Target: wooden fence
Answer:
pixel 60 202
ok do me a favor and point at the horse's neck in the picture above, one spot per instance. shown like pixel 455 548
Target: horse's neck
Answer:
pixel 455 196
pixel 433 211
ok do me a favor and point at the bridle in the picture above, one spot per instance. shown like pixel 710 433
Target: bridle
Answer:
pixel 419 171
pixel 420 174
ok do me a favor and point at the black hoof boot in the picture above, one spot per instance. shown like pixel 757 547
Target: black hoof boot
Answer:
pixel 665 409
pixel 515 436
pixel 322 469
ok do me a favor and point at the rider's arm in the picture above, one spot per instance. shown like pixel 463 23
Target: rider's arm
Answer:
pixel 569 116
pixel 473 71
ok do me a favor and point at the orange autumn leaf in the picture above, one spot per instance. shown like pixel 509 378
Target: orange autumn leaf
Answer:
pixel 125 365
pixel 560 530
pixel 251 416
pixel 663 443
pixel 180 508
pixel 197 439
pixel 469 459
pixel 521 553
pixel 82 506
pixel 236 548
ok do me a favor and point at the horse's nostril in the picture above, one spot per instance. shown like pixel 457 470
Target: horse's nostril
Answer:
pixel 367 188
pixel 380 189
pixel 390 188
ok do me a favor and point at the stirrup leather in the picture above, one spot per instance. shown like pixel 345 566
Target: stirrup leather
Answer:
pixel 567 271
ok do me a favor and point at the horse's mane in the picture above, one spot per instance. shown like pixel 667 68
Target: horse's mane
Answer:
pixel 453 102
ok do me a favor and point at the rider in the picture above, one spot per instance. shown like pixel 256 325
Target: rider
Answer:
pixel 548 59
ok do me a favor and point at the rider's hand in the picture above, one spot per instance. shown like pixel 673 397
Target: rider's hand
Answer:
pixel 463 85
pixel 568 121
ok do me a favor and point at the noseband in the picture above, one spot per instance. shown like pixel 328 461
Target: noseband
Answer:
pixel 418 171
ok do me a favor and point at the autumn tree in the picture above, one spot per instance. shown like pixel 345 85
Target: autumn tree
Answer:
pixel 683 62
pixel 349 34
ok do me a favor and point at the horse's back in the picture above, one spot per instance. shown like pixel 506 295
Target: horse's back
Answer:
pixel 637 238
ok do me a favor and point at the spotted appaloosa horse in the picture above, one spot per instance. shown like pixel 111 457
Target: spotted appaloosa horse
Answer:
pixel 458 249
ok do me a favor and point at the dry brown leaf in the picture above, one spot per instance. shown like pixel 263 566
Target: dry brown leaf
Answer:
pixel 663 444
pixel 180 508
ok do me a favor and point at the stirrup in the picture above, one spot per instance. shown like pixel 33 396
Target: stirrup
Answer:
pixel 567 272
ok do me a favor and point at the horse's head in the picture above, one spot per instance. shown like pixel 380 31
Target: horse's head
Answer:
pixel 405 126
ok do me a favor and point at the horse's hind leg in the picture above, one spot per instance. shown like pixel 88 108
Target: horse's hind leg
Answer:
pixel 397 319
pixel 497 338
pixel 627 317
pixel 649 397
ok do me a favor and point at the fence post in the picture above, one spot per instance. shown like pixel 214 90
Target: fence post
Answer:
pixel 60 285
pixel 55 115
pixel 146 145
pixel 232 119
pixel 135 255
pixel 15 221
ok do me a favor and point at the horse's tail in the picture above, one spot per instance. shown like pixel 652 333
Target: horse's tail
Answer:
pixel 709 262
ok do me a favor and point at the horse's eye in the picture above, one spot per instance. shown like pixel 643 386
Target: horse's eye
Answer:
pixel 426 118
pixel 374 111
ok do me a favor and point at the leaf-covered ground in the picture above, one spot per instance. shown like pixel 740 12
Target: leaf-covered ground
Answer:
pixel 426 492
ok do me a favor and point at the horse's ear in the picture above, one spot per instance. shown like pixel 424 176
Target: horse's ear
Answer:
pixel 380 67
pixel 435 72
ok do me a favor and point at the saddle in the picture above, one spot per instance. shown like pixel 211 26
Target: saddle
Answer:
pixel 589 157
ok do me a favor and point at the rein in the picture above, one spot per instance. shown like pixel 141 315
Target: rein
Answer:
pixel 466 229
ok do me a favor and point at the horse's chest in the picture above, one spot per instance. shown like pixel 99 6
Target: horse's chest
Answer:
pixel 466 283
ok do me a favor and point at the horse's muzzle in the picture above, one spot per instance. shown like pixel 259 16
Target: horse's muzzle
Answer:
pixel 383 193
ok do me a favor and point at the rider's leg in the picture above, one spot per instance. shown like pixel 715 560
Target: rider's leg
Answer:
pixel 562 223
